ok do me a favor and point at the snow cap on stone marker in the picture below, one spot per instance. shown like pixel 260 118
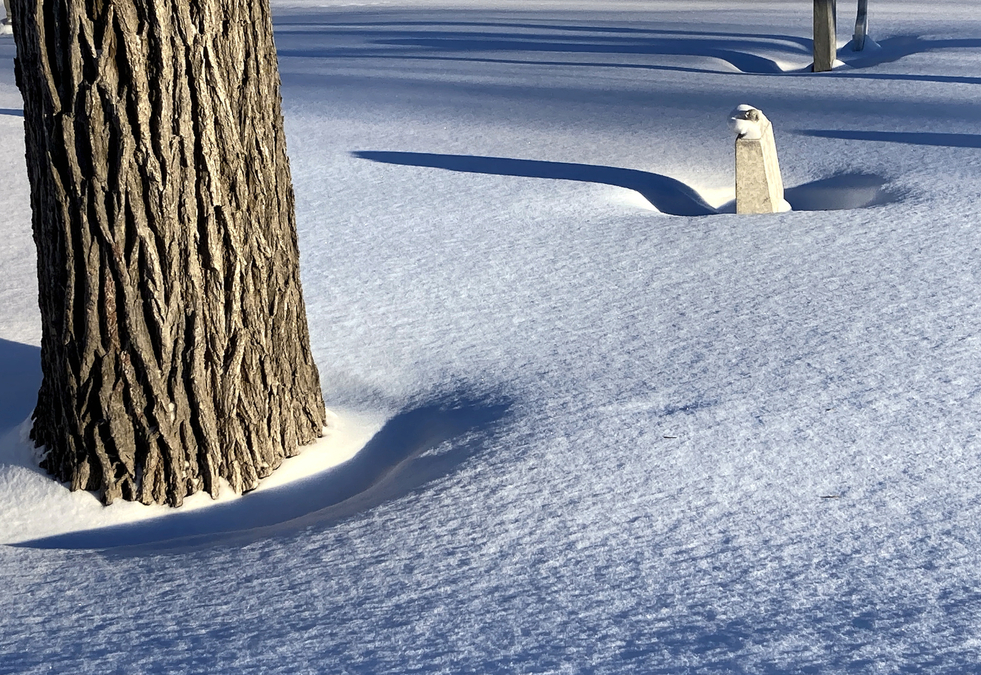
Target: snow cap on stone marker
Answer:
pixel 748 122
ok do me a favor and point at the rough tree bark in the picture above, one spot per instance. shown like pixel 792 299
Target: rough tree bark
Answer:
pixel 174 339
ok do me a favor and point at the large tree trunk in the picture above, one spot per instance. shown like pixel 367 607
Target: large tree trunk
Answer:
pixel 174 347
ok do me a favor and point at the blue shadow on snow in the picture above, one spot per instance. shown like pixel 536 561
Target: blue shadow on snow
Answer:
pixel 667 195
pixel 393 463
pixel 304 22
pixel 942 140
pixel 478 41
pixel 900 46
pixel 20 379
pixel 854 190
pixel 842 191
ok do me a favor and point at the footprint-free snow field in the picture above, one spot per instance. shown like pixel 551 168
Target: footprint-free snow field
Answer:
pixel 607 426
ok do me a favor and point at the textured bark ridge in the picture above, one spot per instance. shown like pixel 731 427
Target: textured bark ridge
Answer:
pixel 174 348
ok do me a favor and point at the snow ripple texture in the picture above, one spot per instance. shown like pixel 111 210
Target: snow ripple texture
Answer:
pixel 643 442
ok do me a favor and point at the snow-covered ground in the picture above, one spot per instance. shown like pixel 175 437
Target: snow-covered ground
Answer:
pixel 610 438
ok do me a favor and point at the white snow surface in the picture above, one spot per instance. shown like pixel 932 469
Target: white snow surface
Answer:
pixel 619 428
pixel 36 507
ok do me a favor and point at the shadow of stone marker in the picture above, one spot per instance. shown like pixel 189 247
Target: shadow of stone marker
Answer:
pixel 759 186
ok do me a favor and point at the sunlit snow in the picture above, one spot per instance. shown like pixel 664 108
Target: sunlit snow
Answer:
pixel 605 424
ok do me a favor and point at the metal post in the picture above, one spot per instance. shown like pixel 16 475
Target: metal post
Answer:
pixel 825 35
pixel 861 26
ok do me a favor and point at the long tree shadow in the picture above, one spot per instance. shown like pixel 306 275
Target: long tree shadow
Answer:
pixel 900 46
pixel 391 464
pixel 943 140
pixel 485 41
pixel 906 77
pixel 304 22
pixel 20 379
pixel 738 53
pixel 444 50
pixel 476 40
pixel 666 194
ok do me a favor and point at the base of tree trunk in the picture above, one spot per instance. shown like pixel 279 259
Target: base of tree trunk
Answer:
pixel 175 348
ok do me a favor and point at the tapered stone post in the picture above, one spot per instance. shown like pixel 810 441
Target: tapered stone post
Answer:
pixel 825 35
pixel 759 186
